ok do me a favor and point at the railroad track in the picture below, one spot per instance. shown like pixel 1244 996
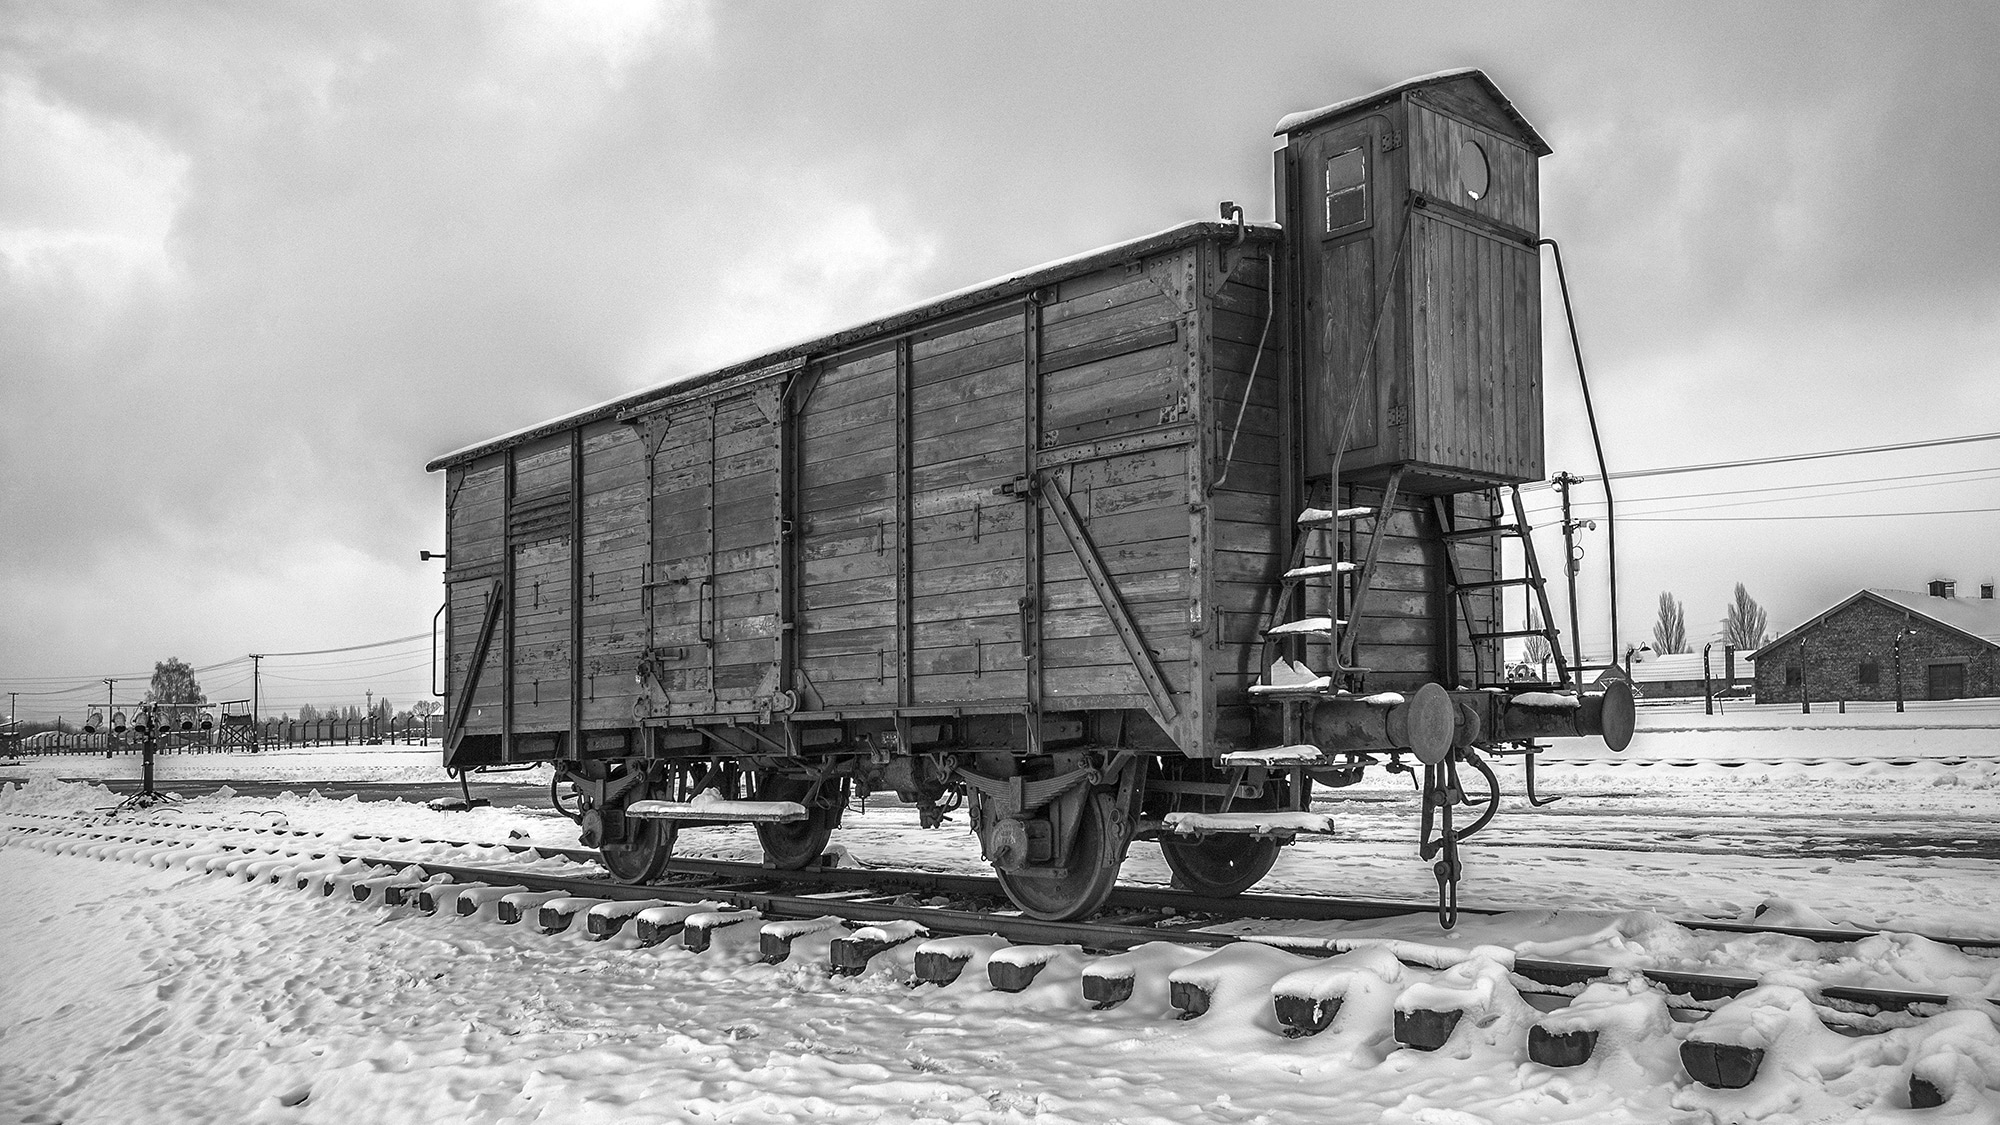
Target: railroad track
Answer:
pixel 1132 903
pixel 1426 992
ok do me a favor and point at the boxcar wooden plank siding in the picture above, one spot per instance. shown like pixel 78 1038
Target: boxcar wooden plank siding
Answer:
pixel 848 526
pixel 931 368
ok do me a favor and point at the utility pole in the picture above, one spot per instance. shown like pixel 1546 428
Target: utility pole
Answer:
pixel 371 713
pixel 1563 481
pixel 256 721
pixel 110 696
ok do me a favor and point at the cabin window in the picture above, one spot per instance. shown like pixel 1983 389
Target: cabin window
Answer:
pixel 1869 673
pixel 1346 189
pixel 1473 175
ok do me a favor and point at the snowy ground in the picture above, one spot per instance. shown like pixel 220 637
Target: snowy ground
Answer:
pixel 139 994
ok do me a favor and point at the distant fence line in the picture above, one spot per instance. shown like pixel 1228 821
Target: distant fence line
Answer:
pixel 271 734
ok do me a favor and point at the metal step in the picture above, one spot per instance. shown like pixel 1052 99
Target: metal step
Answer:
pixel 1496 583
pixel 1300 755
pixel 1499 634
pixel 1481 530
pixel 1274 824
pixel 1325 516
pixel 1308 627
pixel 1321 686
pixel 728 812
pixel 1318 569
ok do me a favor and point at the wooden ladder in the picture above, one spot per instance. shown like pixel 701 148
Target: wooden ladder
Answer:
pixel 1451 534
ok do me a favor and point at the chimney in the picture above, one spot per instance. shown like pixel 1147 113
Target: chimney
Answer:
pixel 1943 588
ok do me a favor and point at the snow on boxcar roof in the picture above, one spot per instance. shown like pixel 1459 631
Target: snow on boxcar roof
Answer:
pixel 1292 123
pixel 801 350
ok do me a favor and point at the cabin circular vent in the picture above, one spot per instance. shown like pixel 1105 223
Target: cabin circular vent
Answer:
pixel 1472 172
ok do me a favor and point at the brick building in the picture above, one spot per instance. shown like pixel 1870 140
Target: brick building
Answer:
pixel 1950 649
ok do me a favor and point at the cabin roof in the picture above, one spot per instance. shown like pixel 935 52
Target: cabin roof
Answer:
pixel 972 296
pixel 1297 121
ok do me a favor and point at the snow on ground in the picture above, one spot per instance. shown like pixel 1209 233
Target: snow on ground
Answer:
pixel 210 1000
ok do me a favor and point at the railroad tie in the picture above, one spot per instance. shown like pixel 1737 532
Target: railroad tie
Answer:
pixel 1308 1001
pixel 941 961
pixel 659 923
pixel 852 953
pixel 777 942
pixel 606 919
pixel 707 930
pixel 1015 968
pixel 1232 973
pixel 559 913
pixel 522 904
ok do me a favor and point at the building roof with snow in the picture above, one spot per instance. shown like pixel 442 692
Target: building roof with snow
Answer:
pixel 1977 618
pixel 1680 667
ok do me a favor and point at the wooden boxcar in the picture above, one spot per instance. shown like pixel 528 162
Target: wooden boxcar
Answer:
pixel 1137 545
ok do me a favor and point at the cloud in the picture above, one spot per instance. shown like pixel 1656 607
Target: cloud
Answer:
pixel 259 263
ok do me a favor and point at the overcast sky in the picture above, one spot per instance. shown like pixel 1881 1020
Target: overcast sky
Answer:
pixel 260 262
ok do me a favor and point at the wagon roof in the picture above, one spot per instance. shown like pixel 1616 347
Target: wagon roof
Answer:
pixel 972 296
pixel 1308 118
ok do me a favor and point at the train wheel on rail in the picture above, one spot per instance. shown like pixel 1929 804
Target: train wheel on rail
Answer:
pixel 647 846
pixel 792 845
pixel 1220 865
pixel 1092 871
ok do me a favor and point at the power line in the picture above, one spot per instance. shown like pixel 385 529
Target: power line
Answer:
pixel 1793 499
pixel 1826 516
pixel 349 648
pixel 1965 474
pixel 1669 470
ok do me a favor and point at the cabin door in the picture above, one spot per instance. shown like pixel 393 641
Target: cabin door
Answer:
pixel 1344 251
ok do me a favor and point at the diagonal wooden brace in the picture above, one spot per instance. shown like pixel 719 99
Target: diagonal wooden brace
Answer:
pixel 1159 697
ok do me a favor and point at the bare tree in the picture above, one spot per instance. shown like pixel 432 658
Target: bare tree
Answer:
pixel 1670 629
pixel 1744 624
pixel 1538 653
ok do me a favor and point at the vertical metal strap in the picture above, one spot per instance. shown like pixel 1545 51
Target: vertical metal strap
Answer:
pixel 576 593
pixel 904 466
pixel 709 625
pixel 507 615
pixel 1031 559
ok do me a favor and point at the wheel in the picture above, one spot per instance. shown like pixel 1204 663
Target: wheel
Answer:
pixel 642 857
pixel 1093 870
pixel 1220 865
pixel 648 845
pixel 792 845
